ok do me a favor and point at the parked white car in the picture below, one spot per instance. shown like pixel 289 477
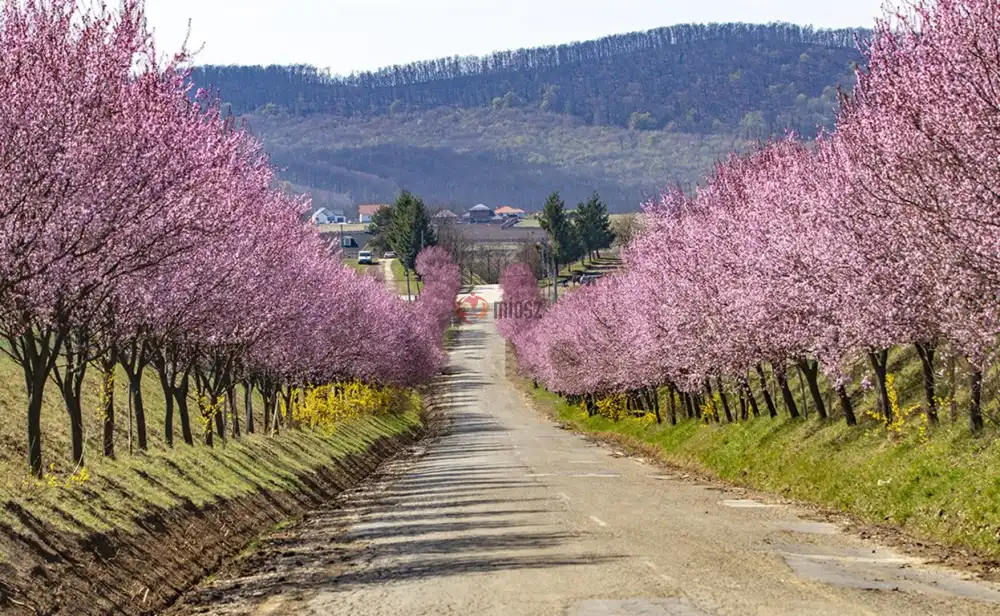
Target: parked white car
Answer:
pixel 365 257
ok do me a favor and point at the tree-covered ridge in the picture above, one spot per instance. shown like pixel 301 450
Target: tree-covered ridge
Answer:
pixel 697 78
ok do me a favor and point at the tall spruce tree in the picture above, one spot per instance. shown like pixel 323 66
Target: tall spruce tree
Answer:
pixel 379 228
pixel 593 226
pixel 556 223
pixel 564 245
pixel 410 231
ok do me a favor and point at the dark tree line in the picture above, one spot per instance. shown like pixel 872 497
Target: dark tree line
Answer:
pixel 703 78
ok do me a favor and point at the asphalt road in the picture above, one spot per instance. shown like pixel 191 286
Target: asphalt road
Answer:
pixel 504 513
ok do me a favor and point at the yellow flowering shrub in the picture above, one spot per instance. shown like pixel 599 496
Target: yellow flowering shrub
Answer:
pixel 902 416
pixel 209 407
pixel 328 405
pixel 613 406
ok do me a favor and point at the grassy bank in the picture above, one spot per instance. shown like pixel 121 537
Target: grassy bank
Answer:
pixel 939 483
pixel 126 535
pixel 399 275
pixel 113 493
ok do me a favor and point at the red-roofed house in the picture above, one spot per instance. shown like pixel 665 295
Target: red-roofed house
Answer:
pixel 509 212
pixel 366 211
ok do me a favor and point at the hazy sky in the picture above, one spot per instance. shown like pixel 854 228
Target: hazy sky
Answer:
pixel 351 35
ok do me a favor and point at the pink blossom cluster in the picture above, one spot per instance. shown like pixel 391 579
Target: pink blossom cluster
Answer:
pixel 442 282
pixel 882 233
pixel 139 226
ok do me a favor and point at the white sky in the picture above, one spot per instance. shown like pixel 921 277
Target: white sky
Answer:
pixel 352 35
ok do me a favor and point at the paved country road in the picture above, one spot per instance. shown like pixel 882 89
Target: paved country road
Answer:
pixel 504 513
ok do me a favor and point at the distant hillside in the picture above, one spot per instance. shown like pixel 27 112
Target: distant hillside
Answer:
pixel 624 114
pixel 462 157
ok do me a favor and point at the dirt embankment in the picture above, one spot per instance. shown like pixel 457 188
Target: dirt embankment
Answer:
pixel 142 571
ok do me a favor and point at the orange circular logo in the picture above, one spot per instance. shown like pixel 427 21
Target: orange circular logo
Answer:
pixel 472 308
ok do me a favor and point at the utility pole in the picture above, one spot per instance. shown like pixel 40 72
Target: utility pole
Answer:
pixel 418 252
pixel 555 277
pixel 549 262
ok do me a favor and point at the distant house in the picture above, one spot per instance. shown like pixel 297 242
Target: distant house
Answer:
pixel 348 245
pixel 323 216
pixel 444 217
pixel 510 212
pixel 480 214
pixel 365 212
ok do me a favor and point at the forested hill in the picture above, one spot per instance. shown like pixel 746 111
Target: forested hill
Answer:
pixel 624 115
pixel 690 78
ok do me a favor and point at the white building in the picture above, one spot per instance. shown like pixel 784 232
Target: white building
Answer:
pixel 323 216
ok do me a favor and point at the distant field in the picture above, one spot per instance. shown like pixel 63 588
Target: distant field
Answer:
pixel 534 222
pixel 353 228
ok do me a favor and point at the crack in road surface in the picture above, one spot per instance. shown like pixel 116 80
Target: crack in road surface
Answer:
pixel 497 515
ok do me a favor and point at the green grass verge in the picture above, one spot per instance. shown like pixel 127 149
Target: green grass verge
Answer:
pixel 363 268
pixel 400 277
pixel 939 483
pixel 118 491
pixel 115 491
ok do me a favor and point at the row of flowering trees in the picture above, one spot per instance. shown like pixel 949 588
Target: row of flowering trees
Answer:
pixel 140 230
pixel 815 256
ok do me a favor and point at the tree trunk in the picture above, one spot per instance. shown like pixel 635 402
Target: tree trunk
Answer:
pixel 135 388
pixel 267 406
pixel 181 394
pixel 710 400
pixel 36 388
pixel 205 410
pixel 289 416
pixel 275 411
pixel 810 369
pixel 952 385
pixel 108 364
pixel 786 394
pixel 654 397
pixel 672 407
pixel 975 408
pixel 168 408
pixel 750 398
pixel 724 398
pixel 231 399
pixel 879 362
pixel 771 410
pixel 926 352
pixel 846 406
pixel 75 411
pixel 131 420
pixel 68 378
pixel 248 404
pixel 219 417
pixel 35 352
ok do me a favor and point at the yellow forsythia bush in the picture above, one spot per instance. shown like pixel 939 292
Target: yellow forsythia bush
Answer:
pixel 328 405
pixel 613 407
